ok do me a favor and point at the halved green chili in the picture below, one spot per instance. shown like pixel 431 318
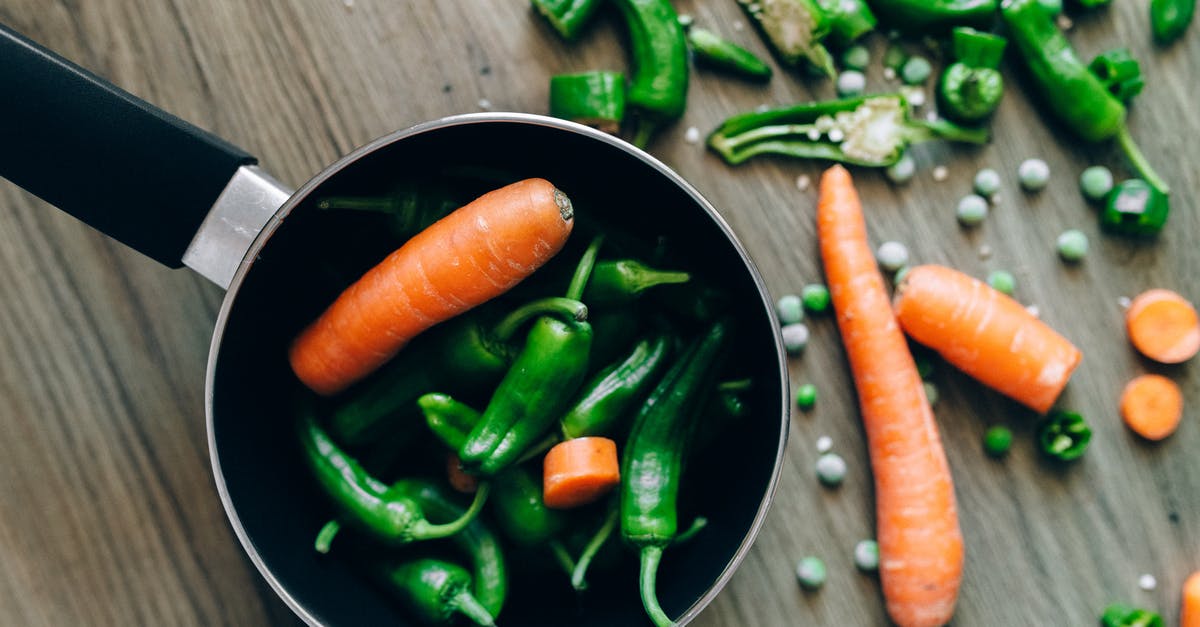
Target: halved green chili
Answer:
pixel 658 86
pixel 436 590
pixel 714 50
pixel 595 98
pixel 1064 435
pixel 929 16
pixel 972 86
pixel 794 30
pixel 1170 18
pixel 1119 72
pixel 606 398
pixel 568 17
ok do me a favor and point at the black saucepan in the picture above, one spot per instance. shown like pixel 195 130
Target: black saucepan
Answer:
pixel 184 197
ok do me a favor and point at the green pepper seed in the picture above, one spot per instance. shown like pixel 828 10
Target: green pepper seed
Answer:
pixel 851 83
pixel 972 210
pixel 903 170
pixel 795 337
pixel 931 393
pixel 1033 174
pixel 891 256
pixel 1002 281
pixel 810 572
pixel 815 297
pixel 987 182
pixel 1096 182
pixel 916 70
pixel 856 57
pixel 997 441
pixel 790 309
pixel 1072 245
pixel 866 555
pixel 806 396
pixel 831 469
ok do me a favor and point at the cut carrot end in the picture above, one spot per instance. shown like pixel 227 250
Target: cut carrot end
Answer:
pixel 1163 326
pixel 1152 405
pixel 579 471
pixel 457 477
pixel 1189 615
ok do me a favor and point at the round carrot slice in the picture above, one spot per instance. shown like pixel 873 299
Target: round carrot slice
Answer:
pixel 579 471
pixel 1163 326
pixel 1151 406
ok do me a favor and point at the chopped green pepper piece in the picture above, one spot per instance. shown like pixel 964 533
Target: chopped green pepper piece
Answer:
pixel 849 20
pixel 595 98
pixel 971 87
pixel 1169 18
pixel 931 16
pixel 794 29
pixel 1064 435
pixel 1119 72
pixel 712 49
pixel 658 85
pixel 1134 207
pixel 1121 615
pixel 567 17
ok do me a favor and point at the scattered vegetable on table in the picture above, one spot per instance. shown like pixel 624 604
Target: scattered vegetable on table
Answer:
pixel 1163 326
pixel 712 49
pixel 1152 406
pixel 1064 435
pixel 997 440
pixel 971 88
pixel 595 98
pixel 1121 615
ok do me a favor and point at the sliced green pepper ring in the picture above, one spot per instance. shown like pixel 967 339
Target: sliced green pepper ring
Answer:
pixel 1064 435
pixel 1134 207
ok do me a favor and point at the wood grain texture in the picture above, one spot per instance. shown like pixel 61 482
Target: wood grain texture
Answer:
pixel 110 516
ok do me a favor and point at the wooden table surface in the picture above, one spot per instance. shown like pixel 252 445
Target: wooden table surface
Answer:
pixel 109 514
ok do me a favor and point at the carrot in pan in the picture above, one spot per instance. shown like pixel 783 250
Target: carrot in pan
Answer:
pixel 920 543
pixel 985 334
pixel 467 258
pixel 1163 326
pixel 1151 405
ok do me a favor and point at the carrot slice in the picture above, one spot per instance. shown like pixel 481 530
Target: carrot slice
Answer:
pixel 1189 615
pixel 1163 326
pixel 1152 405
pixel 579 471
pixel 465 259
pixel 920 542
pixel 985 334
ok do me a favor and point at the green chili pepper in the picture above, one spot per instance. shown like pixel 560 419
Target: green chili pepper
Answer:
pixel 712 49
pixel 411 205
pixel 1169 18
pixel 926 16
pixel 971 87
pixel 1091 4
pixel 1064 435
pixel 865 130
pixel 1070 91
pixel 466 355
pixel 388 514
pixel 568 17
pixel 595 98
pixel 620 282
pixel 1119 72
pixel 605 399
pixel 658 87
pixel 653 458
pixel 794 30
pixel 1121 615
pixel 1133 207
pixel 849 20
pixel 435 591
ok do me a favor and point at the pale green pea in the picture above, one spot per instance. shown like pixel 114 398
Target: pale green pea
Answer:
pixel 987 182
pixel 790 309
pixel 851 83
pixel 1002 281
pixel 1072 245
pixel 795 337
pixel 899 276
pixel 831 469
pixel 894 57
pixel 1033 174
pixel 815 297
pixel 972 210
pixel 806 396
pixel 1096 182
pixel 916 70
pixel 810 572
pixel 931 393
pixel 866 555
pixel 891 256
pixel 856 57
pixel 903 170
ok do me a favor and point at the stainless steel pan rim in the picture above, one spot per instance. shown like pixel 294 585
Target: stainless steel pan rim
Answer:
pixel 467 119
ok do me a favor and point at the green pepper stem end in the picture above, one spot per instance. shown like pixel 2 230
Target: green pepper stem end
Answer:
pixel 651 556
pixel 579 573
pixel 325 536
pixel 583 271
pixel 555 305
pixel 423 530
pixel 469 606
pixel 1139 161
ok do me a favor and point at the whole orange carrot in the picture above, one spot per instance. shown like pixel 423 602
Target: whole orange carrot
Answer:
pixel 465 259
pixel 985 334
pixel 920 543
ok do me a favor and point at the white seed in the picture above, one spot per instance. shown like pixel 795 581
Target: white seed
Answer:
pixel 1033 310
pixel 824 444
pixel 738 25
pixel 485 104
pixel 1124 302
pixel 814 134
pixel 985 251
pixel 763 108
pixel 889 73
pixel 1064 22
pixel 940 173
pixel 692 135
pixel 1147 582
pixel 803 182
pixel 836 135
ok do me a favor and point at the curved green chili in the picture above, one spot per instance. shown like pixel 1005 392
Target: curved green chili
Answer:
pixel 1133 207
pixel 568 17
pixel 1170 18
pixel 658 85
pixel 606 398
pixel 595 98
pixel 436 591
pixel 926 16
pixel 1119 72
pixel 719 52
pixel 849 20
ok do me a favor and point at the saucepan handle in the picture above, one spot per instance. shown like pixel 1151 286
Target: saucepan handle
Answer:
pixel 116 162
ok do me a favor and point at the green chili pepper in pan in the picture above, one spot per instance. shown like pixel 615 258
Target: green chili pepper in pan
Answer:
pixel 1064 435
pixel 849 20
pixel 928 16
pixel 653 459
pixel 716 51
pixel 1119 72
pixel 971 87
pixel 465 355
pixel 794 29
pixel 618 283
pixel 568 17
pixel 1133 207
pixel 1068 88
pixel 1121 615
pixel 436 591
pixel 658 86
pixel 605 399
pixel 595 98
pixel 411 205
pixel 1169 18
pixel 865 130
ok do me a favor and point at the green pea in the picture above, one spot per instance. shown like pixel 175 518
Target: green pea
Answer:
pixel 866 555
pixel 1033 174
pixel 856 57
pixel 916 70
pixel 790 309
pixel 931 393
pixel 815 297
pixel 810 572
pixel 972 210
pixel 997 440
pixel 987 182
pixel 1002 281
pixel 903 170
pixel 924 367
pixel 1096 182
pixel 894 57
pixel 831 469
pixel 899 276
pixel 795 337
pixel 851 83
pixel 891 256
pixel 1072 245
pixel 806 396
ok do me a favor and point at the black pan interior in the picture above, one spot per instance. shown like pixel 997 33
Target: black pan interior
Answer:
pixel 314 252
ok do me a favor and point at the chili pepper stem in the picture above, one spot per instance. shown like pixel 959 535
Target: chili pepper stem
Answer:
pixel 651 556
pixel 1139 161
pixel 554 305
pixel 325 536
pixel 924 130
pixel 583 271
pixel 424 530
pixel 698 525
pixel 593 547
pixel 544 445
pixel 359 203
pixel 469 606
pixel 642 133
pixel 562 556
